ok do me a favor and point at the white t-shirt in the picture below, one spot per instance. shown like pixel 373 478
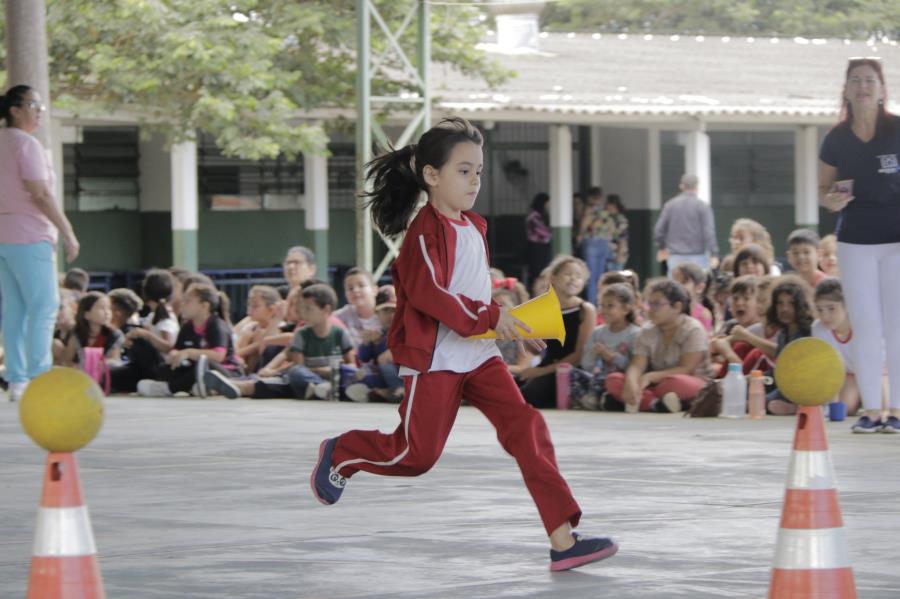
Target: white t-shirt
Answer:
pixel 843 347
pixel 471 278
pixel 355 324
pixel 166 325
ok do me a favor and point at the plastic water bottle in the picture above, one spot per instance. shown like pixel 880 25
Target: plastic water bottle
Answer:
pixel 335 378
pixel 734 393
pixel 756 396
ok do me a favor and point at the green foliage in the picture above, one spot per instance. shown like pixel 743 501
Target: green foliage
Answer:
pixel 858 19
pixel 244 71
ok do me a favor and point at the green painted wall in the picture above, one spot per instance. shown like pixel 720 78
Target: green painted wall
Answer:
pixel 121 240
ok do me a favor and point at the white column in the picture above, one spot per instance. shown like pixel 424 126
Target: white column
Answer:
pixel 596 155
pixel 561 187
pixel 697 161
pixel 315 171
pixel 654 170
pixel 806 184
pixel 184 205
pixel 26 54
pixel 56 158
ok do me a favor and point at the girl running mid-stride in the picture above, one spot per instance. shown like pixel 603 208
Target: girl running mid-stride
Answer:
pixel 443 297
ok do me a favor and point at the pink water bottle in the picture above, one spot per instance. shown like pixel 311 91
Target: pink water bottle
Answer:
pixel 756 395
pixel 563 371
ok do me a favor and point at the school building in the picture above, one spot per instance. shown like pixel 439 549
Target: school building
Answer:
pixel 628 112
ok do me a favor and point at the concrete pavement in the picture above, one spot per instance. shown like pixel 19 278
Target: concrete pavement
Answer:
pixel 206 499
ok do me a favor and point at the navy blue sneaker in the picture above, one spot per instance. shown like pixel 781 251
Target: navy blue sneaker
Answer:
pixel 866 425
pixel 891 425
pixel 326 484
pixel 584 551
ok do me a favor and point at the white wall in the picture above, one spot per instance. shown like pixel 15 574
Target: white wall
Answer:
pixel 156 175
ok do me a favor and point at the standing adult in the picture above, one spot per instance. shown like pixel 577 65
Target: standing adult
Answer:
pixel 618 243
pixel 686 230
pixel 594 235
pixel 538 236
pixel 30 221
pixel 859 177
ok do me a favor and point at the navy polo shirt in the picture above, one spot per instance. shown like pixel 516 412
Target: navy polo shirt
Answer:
pixel 873 216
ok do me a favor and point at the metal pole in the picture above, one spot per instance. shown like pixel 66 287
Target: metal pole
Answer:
pixel 363 131
pixel 26 54
pixel 423 51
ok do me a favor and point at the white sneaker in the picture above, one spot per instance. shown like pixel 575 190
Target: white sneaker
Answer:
pixel 151 388
pixel 672 403
pixel 321 390
pixel 357 392
pixel 16 391
pixel 200 370
pixel 631 408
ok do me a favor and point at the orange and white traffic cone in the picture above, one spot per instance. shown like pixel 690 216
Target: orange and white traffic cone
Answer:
pixel 64 563
pixel 811 558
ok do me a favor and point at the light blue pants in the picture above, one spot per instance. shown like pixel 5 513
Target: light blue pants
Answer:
pixel 30 292
pixel 595 252
pixel 701 260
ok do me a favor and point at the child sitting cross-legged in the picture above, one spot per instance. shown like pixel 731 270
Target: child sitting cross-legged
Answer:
pixel 379 374
pixel 303 369
pixel 204 343
pixel 608 350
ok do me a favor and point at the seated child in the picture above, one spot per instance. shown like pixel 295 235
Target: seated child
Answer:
pixel 125 305
pixel 204 344
pixel 147 344
pixel 670 362
pixel 379 374
pixel 77 280
pixel 609 348
pixel 828 261
pixel 93 328
pixel 304 369
pixel 833 326
pixel 724 348
pixel 264 311
pixel 803 256
pixel 751 260
pixel 791 312
pixel 694 280
pixel 358 315
pixel 65 323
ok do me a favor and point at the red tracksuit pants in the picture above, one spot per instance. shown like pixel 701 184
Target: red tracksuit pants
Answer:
pixel 426 417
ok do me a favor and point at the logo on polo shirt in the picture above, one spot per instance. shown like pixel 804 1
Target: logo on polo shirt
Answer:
pixel 889 164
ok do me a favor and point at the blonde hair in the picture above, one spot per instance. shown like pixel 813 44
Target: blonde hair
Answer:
pixel 758 233
pixel 564 260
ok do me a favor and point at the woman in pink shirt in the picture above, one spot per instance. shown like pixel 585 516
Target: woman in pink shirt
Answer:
pixel 30 220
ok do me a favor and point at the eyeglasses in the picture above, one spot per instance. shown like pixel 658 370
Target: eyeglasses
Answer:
pixel 656 305
pixel 36 105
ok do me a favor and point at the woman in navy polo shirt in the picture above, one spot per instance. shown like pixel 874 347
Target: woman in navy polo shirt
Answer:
pixel 859 177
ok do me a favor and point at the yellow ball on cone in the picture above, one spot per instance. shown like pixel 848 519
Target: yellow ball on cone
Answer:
pixel 809 372
pixel 62 410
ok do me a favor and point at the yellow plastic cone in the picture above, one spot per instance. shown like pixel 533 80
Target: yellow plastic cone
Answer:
pixel 543 314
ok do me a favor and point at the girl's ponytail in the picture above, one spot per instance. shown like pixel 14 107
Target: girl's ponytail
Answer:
pixel 395 190
pixel 161 312
pixel 223 308
pixel 397 178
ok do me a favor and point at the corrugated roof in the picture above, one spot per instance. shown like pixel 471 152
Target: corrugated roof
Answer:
pixel 664 76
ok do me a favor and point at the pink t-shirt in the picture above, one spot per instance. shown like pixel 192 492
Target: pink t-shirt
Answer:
pixel 23 158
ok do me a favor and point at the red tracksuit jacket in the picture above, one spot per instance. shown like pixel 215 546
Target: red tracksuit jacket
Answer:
pixel 421 275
